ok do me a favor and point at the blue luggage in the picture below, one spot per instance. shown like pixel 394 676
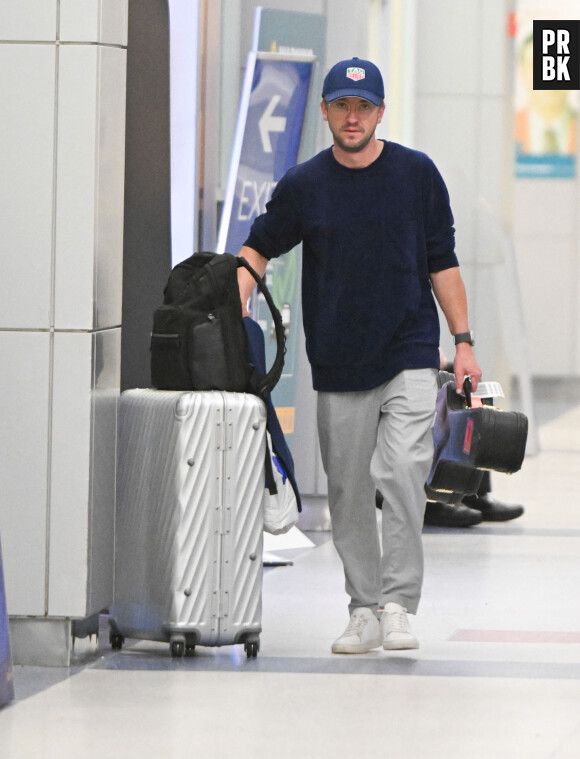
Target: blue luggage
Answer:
pixel 470 437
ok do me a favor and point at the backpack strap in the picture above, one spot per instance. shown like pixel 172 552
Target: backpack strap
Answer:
pixel 269 381
pixel 269 471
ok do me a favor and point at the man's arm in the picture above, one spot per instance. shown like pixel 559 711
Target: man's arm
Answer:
pixel 450 293
pixel 245 279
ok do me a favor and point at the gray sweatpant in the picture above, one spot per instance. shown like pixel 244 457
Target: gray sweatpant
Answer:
pixel 379 439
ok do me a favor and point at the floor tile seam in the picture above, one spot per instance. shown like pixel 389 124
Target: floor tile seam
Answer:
pixel 505 532
pixel 560 451
pixel 374 665
pixel 518 637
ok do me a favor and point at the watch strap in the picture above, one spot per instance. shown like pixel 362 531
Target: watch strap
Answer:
pixel 464 337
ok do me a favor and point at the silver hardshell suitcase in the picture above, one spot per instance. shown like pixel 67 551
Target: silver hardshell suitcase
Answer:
pixel 189 528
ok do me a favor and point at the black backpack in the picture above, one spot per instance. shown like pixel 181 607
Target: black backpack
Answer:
pixel 198 340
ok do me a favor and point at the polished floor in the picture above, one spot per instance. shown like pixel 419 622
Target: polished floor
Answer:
pixel 497 674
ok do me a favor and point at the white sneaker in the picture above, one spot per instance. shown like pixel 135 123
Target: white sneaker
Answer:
pixel 395 631
pixel 361 635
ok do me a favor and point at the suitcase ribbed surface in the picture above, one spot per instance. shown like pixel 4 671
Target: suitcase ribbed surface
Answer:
pixel 243 522
pixel 189 524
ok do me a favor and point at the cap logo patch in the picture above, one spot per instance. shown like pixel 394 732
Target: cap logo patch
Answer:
pixel 355 73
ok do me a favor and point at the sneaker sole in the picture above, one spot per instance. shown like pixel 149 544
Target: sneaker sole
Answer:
pixel 400 645
pixel 354 648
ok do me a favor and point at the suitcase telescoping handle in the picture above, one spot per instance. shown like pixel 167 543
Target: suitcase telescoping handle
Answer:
pixel 272 377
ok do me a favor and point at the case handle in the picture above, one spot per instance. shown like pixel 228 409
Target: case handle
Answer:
pixel 467 387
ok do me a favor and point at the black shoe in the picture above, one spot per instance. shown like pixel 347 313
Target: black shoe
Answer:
pixel 492 510
pixel 446 515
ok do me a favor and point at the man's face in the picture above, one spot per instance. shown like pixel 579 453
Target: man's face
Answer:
pixel 352 121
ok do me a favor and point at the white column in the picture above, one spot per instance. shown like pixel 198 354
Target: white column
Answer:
pixel 63 139
pixel 462 121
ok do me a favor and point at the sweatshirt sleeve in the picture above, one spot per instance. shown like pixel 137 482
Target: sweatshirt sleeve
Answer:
pixel 439 229
pixel 279 229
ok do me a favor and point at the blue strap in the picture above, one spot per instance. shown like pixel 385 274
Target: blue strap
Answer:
pixel 257 357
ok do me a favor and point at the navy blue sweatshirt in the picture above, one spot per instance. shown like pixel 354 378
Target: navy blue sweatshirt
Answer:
pixel 371 237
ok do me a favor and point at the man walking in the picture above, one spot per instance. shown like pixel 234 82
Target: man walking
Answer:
pixel 378 242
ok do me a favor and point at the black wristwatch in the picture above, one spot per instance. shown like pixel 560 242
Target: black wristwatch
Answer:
pixel 464 337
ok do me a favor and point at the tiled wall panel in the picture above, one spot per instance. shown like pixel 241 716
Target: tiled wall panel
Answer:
pixel 24 411
pixel 76 186
pixel 103 21
pixel 27 95
pixel 70 478
pixel 110 187
pixel 84 432
pixel 105 395
pixel 90 181
pixel 28 20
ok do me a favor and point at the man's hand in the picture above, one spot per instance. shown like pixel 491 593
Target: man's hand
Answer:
pixel 465 365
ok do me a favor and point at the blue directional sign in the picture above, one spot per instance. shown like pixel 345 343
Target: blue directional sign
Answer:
pixel 267 139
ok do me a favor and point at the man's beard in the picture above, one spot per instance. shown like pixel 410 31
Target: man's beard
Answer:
pixel 353 148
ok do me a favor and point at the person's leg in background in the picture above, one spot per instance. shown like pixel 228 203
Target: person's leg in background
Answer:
pixel 472 509
pixel 490 508
pixel 439 514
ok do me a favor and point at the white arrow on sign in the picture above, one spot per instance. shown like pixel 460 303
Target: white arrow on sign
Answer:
pixel 269 123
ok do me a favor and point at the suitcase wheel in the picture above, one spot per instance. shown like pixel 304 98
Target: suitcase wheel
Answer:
pixel 251 647
pixel 116 641
pixel 177 648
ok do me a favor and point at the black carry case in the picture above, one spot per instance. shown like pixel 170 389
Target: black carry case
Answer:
pixel 198 340
pixel 469 440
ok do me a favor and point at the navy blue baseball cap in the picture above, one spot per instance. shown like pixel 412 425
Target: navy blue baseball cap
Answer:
pixel 354 78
